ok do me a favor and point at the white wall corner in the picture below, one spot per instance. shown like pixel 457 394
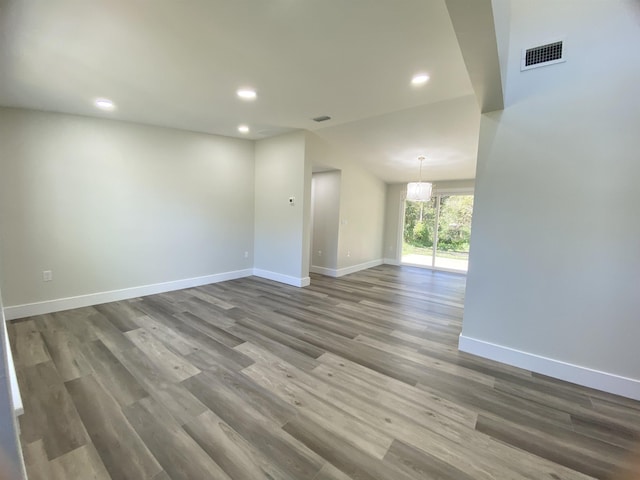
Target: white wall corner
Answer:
pixel 60 304
pixel 279 277
pixel 391 261
pixel 607 382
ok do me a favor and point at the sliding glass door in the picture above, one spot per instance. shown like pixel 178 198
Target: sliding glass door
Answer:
pixel 436 233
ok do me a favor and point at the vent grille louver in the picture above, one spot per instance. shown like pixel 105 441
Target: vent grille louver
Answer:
pixel 543 55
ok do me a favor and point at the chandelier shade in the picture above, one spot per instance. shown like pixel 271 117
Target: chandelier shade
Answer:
pixel 419 191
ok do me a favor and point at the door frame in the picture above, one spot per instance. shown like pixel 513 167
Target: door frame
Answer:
pixel 438 193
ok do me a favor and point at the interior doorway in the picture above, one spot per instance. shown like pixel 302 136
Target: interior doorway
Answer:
pixel 436 234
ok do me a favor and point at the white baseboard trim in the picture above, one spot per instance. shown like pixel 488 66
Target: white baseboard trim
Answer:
pixel 361 266
pixel 391 261
pixel 607 382
pixel 60 304
pixel 340 272
pixel 329 272
pixel 280 277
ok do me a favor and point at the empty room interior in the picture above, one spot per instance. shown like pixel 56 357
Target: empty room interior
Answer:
pixel 320 240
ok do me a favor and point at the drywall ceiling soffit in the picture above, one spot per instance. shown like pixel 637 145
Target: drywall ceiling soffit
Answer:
pixel 473 23
pixel 446 133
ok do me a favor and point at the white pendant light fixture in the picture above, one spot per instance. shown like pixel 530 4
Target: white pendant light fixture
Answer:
pixel 419 191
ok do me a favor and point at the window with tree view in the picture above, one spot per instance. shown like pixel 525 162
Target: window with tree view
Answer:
pixel 436 233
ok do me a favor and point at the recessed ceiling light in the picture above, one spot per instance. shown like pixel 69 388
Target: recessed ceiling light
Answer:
pixel 247 93
pixel 104 104
pixel 243 129
pixel 420 79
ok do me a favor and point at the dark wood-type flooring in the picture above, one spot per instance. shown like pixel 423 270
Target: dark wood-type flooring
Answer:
pixel 351 378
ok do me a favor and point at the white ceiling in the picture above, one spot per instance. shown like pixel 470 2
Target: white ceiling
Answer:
pixel 178 64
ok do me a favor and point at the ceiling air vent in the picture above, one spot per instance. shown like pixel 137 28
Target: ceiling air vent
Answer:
pixel 543 55
pixel 322 118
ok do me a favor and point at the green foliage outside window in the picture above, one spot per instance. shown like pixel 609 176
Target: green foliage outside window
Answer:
pixel 454 226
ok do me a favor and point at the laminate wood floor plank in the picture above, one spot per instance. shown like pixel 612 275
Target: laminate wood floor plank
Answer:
pixel 171 366
pixel 451 354
pixel 418 408
pixel 620 410
pixel 123 453
pixel 83 462
pixel 448 441
pixel 422 465
pixel 308 317
pixel 283 338
pixel 427 362
pixel 35 460
pixel 554 399
pixel 179 454
pixel 398 321
pixel 486 400
pixel 112 374
pixel 340 453
pixel 235 455
pixel 619 435
pixel 546 446
pixel 357 377
pixel 283 351
pixel 27 344
pixel 167 335
pixel 210 313
pixel 256 395
pixel 199 339
pixel 211 344
pixel 383 362
pixel 76 321
pixel 208 328
pixel 431 401
pixel 66 354
pixel 451 435
pixel 120 314
pixel 162 476
pixel 202 294
pixel 105 331
pixel 164 388
pixel 177 296
pixel 367 439
pixel 329 472
pixel 49 412
pixel 266 435
pixel 359 323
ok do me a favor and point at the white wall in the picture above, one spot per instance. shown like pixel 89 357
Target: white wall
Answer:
pixel 108 205
pixel 362 207
pixel 555 267
pixel 282 230
pixel 396 193
pixel 325 214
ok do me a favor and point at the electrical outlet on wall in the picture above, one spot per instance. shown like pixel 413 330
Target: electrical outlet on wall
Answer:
pixel 246 254
pixel 47 275
pixel 348 253
pixel 319 253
